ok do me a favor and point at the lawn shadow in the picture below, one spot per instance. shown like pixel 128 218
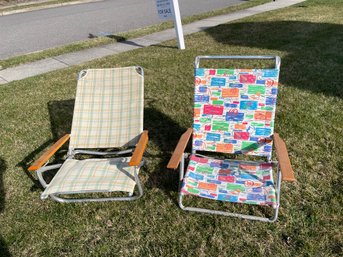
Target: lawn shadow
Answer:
pixel 108 35
pixel 29 159
pixel 124 40
pixel 132 43
pixel 164 46
pixel 313 58
pixel 3 166
pixel 61 113
pixel 61 117
pixel 3 248
pixel 164 133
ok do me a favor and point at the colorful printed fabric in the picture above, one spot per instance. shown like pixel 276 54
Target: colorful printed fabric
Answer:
pixel 108 109
pixel 92 175
pixel 230 180
pixel 234 110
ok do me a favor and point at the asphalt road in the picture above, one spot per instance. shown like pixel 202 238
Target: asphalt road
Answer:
pixel 42 29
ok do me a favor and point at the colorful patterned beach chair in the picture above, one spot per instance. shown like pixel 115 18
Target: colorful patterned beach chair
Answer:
pixel 108 114
pixel 234 112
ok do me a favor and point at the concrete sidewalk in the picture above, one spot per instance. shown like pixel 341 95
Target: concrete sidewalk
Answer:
pixel 74 58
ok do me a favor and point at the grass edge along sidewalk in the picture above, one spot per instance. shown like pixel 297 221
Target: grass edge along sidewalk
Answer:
pixel 67 59
pixel 105 40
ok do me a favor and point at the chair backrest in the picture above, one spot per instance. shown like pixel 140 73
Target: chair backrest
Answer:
pixel 234 109
pixel 108 108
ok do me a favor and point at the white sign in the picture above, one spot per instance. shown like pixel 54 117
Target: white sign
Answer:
pixel 164 9
pixel 169 9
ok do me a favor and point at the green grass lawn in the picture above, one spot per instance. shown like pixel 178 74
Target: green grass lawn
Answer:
pixel 36 111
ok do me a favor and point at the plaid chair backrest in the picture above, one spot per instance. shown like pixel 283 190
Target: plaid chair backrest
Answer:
pixel 234 110
pixel 108 108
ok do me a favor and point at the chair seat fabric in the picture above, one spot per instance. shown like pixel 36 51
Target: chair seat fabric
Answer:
pixel 108 109
pixel 230 180
pixel 92 175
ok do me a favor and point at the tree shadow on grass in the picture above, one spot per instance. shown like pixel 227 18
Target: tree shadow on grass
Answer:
pixel 313 58
pixel 3 248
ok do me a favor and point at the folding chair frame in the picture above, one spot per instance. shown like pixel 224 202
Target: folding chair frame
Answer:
pixel 284 169
pixel 137 163
pixel 40 165
pixel 208 211
pixel 75 200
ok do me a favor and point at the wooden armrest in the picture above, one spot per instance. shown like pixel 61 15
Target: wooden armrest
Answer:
pixel 179 150
pixel 283 158
pixel 140 148
pixel 45 157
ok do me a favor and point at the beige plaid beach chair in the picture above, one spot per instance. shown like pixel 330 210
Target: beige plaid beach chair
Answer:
pixel 107 123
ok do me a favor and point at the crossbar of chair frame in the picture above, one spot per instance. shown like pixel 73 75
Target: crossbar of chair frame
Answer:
pixel 243 161
pixel 237 57
pixel 102 153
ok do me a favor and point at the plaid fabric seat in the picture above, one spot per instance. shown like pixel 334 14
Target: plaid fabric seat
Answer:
pixel 230 180
pixel 108 108
pixel 92 175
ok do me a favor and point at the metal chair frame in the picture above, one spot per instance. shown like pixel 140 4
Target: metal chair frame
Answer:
pixel 238 215
pixel 71 155
pixel 277 184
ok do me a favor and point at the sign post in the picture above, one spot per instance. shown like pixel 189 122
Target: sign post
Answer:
pixel 178 24
pixel 169 9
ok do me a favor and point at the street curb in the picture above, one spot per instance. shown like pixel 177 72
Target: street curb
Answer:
pixel 79 57
pixel 35 8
